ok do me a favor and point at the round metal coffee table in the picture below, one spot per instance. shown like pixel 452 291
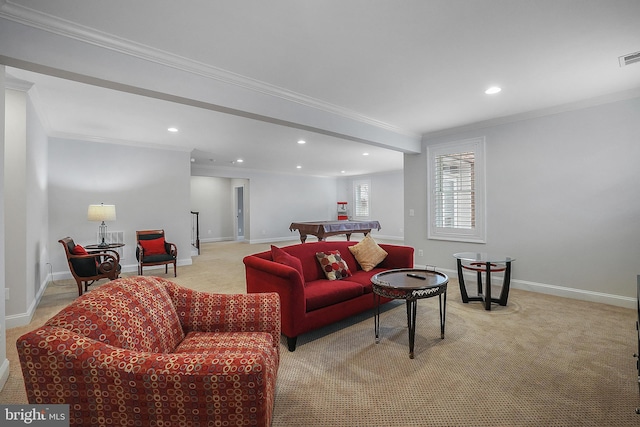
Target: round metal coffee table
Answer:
pixel 410 284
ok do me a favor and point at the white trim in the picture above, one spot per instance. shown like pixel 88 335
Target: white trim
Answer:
pixel 534 114
pixel 23 319
pixel 560 291
pixel 217 239
pixel 55 25
pixel 479 232
pixel 4 373
pixel 356 184
pixel 276 239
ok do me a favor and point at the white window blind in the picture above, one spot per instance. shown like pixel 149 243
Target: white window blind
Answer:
pixel 362 198
pixel 456 191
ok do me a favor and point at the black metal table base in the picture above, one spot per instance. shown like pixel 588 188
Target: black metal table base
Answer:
pixel 412 308
pixel 485 296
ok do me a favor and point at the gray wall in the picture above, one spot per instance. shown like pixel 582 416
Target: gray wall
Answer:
pixel 387 201
pixel 25 188
pixel 150 188
pixel 282 199
pixel 276 200
pixel 212 197
pixel 4 362
pixel 562 198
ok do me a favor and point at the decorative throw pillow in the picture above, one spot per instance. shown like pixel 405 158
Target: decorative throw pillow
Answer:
pixel 153 246
pixel 368 253
pixel 334 267
pixel 280 256
pixel 79 250
pixel 82 265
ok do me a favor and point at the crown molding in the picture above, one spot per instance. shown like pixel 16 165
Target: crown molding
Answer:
pixel 116 141
pixel 528 115
pixel 11 82
pixel 55 25
pixel 32 92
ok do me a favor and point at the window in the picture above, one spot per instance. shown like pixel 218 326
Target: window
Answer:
pixel 456 191
pixel 362 198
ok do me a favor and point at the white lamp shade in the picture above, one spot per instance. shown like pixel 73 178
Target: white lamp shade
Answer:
pixel 102 212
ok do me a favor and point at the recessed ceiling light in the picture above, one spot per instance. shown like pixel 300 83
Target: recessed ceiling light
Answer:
pixel 343 171
pixel 365 154
pixel 193 160
pixel 298 167
pixel 302 141
pixel 172 129
pixel 493 90
pixel 239 160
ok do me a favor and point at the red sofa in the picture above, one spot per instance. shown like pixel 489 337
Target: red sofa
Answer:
pixel 311 301
pixel 143 351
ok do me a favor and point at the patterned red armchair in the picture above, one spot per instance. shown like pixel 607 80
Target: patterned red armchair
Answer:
pixel 143 351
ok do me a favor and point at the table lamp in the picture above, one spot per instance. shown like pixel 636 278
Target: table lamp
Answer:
pixel 102 213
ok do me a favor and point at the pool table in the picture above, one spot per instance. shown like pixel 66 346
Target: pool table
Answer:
pixel 323 229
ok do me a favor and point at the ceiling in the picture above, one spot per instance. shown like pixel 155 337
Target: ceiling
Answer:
pixel 409 68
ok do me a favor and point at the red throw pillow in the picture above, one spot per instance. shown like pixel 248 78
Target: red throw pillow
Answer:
pixel 153 246
pixel 334 267
pixel 280 256
pixel 79 250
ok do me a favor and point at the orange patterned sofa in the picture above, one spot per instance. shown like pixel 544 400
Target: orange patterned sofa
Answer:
pixel 143 351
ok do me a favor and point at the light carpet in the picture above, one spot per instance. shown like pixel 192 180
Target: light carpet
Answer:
pixel 539 361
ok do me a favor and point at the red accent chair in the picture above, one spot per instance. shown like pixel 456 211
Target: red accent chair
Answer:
pixel 153 249
pixel 145 351
pixel 89 267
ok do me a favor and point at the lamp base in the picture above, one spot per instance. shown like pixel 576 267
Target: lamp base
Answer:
pixel 103 233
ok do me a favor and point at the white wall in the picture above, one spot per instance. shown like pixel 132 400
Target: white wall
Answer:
pixel 15 172
pixel 212 197
pixel 387 201
pixel 26 214
pixel 37 200
pixel 150 188
pixel 562 198
pixel 275 201
pixel 246 205
pixel 4 362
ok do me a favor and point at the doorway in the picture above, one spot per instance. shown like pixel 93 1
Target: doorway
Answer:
pixel 239 213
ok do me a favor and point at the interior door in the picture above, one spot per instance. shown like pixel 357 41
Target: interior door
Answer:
pixel 240 213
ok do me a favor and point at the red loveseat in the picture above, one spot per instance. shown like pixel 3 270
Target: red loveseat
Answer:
pixel 309 300
pixel 143 351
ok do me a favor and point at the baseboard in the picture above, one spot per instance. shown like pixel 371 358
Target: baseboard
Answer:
pixel 310 238
pixel 4 373
pixel 562 291
pixel 217 239
pixel 126 268
pixel 383 237
pixel 22 319
pixel 276 239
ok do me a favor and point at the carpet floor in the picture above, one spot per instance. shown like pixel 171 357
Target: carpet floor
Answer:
pixel 540 361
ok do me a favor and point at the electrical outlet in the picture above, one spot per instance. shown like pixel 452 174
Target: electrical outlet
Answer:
pixel 420 252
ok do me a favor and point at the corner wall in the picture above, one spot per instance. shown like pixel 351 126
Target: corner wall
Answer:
pixel 150 188
pixel 276 200
pixel 4 362
pixel 562 199
pixel 26 219
pixel 387 201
